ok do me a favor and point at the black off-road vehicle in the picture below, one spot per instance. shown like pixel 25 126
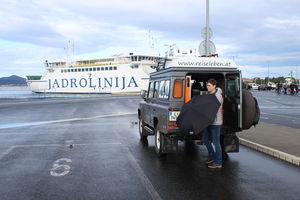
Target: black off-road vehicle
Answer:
pixel 178 80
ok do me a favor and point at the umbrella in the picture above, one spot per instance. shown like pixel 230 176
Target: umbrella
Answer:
pixel 198 113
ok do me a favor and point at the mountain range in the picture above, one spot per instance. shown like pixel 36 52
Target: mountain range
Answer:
pixel 13 80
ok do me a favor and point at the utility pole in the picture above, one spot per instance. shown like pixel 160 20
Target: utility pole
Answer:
pixel 207 29
pixel 296 74
pixel 268 73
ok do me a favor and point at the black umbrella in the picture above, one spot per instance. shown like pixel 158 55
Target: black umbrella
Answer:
pixel 198 113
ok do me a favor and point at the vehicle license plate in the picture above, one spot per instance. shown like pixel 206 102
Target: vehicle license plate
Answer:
pixel 173 115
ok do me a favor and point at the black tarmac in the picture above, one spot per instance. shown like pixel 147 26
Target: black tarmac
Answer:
pixel 89 148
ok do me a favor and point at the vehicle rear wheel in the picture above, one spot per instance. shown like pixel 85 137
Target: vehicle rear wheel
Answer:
pixel 159 143
pixel 142 131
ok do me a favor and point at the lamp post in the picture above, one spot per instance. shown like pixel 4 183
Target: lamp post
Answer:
pixel 268 73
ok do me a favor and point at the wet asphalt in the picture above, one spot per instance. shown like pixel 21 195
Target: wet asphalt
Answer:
pixel 89 148
pixel 279 109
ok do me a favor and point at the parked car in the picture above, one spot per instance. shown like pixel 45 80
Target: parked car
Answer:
pixel 254 86
pixel 271 86
pixel 262 87
pixel 172 86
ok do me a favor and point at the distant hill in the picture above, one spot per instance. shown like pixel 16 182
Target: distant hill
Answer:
pixel 13 80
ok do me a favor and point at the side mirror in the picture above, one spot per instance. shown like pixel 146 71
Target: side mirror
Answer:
pixel 143 94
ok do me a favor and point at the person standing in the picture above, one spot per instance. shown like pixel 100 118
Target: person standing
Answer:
pixel 213 131
pixel 285 88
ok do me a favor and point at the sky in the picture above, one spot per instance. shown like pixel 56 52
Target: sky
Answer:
pixel 263 37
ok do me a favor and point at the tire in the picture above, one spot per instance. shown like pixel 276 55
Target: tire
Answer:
pixel 142 131
pixel 159 143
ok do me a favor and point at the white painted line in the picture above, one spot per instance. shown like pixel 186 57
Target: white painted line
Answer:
pixel 6 126
pixel 146 182
pixel 141 174
pixel 7 151
pixel 280 115
pixel 270 151
pixel 53 145
pixel 61 145
pixel 68 99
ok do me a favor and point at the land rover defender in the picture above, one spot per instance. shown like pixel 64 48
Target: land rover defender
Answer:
pixel 175 82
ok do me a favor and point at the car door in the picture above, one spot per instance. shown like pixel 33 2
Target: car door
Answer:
pixel 233 100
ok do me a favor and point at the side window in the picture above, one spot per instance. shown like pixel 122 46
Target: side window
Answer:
pixel 164 89
pixel 177 91
pixel 161 92
pixel 155 89
pixel 233 87
pixel 167 89
pixel 151 90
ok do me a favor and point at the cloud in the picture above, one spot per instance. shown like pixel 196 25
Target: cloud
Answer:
pixel 252 32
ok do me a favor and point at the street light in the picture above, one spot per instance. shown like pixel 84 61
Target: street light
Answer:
pixel 268 73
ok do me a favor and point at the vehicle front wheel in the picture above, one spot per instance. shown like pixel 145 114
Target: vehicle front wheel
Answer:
pixel 142 131
pixel 159 143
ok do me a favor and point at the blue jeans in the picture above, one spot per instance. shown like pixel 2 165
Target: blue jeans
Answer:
pixel 212 133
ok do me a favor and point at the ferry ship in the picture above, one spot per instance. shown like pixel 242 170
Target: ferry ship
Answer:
pixel 124 74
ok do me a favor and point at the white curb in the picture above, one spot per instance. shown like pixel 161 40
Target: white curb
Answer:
pixel 270 151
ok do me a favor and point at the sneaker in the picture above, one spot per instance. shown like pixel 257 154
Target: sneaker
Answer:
pixel 214 166
pixel 209 161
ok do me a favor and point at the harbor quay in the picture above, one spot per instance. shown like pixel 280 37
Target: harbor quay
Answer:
pixel 89 148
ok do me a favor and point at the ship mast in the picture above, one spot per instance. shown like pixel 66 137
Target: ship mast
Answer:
pixel 70 52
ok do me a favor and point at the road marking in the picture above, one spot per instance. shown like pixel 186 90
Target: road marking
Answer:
pixel 7 151
pixel 146 182
pixel 279 107
pixel 57 167
pixel 14 125
pixel 53 145
pixel 141 174
pixel 69 99
pixel 280 115
pixel 264 117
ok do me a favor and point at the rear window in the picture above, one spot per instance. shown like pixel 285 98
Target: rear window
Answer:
pixel 178 89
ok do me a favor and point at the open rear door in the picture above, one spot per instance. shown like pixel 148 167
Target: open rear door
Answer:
pixel 233 101
pixel 188 89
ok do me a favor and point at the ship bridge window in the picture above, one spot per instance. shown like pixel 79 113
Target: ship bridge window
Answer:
pixel 62 71
pixel 106 68
pixel 115 68
pixel 132 58
pixel 86 69
pixel 72 70
pixel 79 70
pixel 91 69
pixel 98 68
pixel 94 69
pixel 110 68
pixel 75 70
pixel 102 68
pixel 69 70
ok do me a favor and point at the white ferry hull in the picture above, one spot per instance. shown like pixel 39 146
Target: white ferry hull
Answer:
pixel 124 80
